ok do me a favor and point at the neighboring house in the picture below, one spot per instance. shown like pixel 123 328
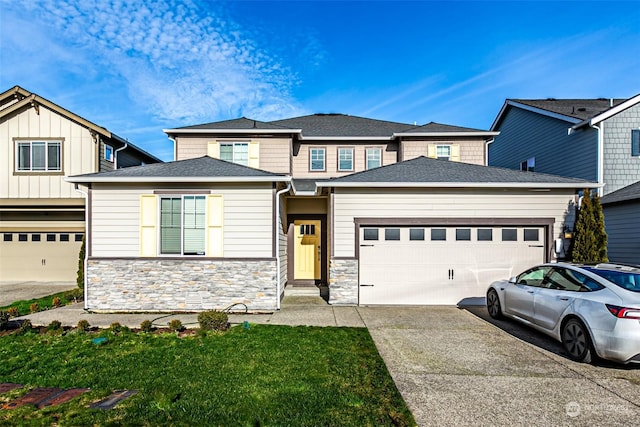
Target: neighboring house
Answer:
pixel 622 220
pixel 41 215
pixel 593 139
pixel 251 207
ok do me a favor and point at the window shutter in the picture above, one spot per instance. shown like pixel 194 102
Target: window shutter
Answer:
pixel 455 153
pixel 254 154
pixel 215 225
pixel 148 225
pixel 213 149
pixel 635 142
pixel 431 151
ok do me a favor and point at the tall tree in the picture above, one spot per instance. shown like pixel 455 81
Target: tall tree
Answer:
pixel 590 237
pixel 600 231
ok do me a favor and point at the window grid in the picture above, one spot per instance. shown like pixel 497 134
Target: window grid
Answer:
pixel 39 156
pixel 443 152
pixel 236 152
pixel 317 159
pixel 373 158
pixel 182 225
pixel 345 159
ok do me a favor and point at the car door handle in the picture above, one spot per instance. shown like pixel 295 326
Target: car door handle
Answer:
pixel 530 292
pixel 363 285
pixel 563 299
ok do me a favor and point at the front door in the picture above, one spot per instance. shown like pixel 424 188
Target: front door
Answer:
pixel 307 250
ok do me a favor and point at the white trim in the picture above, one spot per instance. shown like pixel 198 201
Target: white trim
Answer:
pixel 81 179
pixel 610 112
pixel 537 110
pixel 457 185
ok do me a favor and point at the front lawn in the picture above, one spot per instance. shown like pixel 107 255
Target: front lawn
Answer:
pixel 265 375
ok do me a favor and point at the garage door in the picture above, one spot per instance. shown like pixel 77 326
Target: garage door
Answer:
pixel 51 257
pixel 442 265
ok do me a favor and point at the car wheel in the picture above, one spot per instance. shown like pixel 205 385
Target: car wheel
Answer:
pixel 576 341
pixel 493 304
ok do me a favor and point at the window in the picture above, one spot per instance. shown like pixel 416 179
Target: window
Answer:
pixel 485 234
pixel 236 152
pixel 563 279
pixel 182 225
pixel 416 234
pixel 635 142
pixel 533 277
pixel 22 237
pixel 370 234
pixel 108 153
pixel 463 234
pixel 8 237
pixel 79 237
pixel 64 237
pixel 509 235
pixel 51 237
pixel 531 235
pixel 316 159
pixel 391 234
pixel 438 234
pixel 374 158
pixel 345 159
pixel 307 229
pixel 35 237
pixel 528 165
pixel 39 156
pixel 443 152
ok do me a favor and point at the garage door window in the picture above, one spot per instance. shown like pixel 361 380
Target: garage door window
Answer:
pixel 463 234
pixel 392 234
pixel 416 234
pixel 438 234
pixel 64 237
pixel 531 235
pixel 370 234
pixel 509 235
pixel 22 237
pixel 35 237
pixel 485 234
pixel 51 237
pixel 8 237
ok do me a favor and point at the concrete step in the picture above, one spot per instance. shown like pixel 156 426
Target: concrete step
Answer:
pixel 309 291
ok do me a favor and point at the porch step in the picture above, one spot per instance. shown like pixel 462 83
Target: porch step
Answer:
pixel 301 291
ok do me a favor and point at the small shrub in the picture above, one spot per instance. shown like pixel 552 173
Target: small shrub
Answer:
pixel 74 295
pixel 56 302
pixel 115 328
pixel 146 326
pixel 4 320
pixel 33 308
pixel 13 311
pixel 213 320
pixel 83 325
pixel 55 326
pixel 25 327
pixel 175 325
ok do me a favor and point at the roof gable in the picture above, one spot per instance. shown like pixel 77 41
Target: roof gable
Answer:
pixel 342 125
pixel 628 193
pixel 240 123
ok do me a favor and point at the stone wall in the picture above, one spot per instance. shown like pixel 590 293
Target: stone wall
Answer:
pixel 343 282
pixel 180 285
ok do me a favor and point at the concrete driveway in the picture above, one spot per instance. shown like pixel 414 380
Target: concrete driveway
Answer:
pixel 16 291
pixel 454 368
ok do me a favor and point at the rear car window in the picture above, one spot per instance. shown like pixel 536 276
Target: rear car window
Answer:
pixel 625 279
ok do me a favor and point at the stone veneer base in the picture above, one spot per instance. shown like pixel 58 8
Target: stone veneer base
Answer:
pixel 343 282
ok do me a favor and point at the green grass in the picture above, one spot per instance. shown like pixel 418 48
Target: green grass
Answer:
pixel 24 306
pixel 267 375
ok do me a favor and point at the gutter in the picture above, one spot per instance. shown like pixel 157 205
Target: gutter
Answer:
pixel 277 237
pixel 182 179
pixel 86 242
pixel 532 185
pixel 115 154
pixel 600 159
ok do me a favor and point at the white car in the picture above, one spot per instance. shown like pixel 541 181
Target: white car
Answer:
pixel 588 308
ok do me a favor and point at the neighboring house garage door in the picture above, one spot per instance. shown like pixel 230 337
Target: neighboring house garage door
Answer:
pixel 420 265
pixel 44 257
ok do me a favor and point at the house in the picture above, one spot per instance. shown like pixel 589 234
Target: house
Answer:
pixel 42 216
pixel 593 139
pixel 381 212
pixel 622 221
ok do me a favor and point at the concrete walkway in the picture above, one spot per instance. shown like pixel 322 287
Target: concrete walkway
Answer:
pixel 11 292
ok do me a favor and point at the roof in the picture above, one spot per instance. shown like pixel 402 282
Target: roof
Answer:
pixel 426 172
pixel 201 169
pixel 628 193
pixel 578 112
pixel 330 126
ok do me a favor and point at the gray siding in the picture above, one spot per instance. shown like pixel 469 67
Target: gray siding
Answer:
pixel 622 222
pixel 620 168
pixel 524 134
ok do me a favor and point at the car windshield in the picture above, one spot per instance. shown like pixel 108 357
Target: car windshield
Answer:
pixel 625 279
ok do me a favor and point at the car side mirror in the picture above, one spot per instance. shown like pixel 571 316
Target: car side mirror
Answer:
pixel 512 279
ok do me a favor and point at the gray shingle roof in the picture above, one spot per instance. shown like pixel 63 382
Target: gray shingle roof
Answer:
pixel 241 123
pixel 332 125
pixel 581 109
pixel 628 193
pixel 426 170
pixel 201 167
pixel 439 127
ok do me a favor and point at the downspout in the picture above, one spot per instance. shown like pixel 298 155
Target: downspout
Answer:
pixel 277 237
pixel 600 157
pixel 115 154
pixel 486 151
pixel 175 148
pixel 86 242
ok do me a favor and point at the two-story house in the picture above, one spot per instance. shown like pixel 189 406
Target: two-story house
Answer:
pixel 42 217
pixel 381 212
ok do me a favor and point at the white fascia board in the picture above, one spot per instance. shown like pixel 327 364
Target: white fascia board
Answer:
pixel 441 134
pixel 219 131
pixel 537 111
pixel 346 138
pixel 181 179
pixel 610 112
pixel 457 185
pixel 499 116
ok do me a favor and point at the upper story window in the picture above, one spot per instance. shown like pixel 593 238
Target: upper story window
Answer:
pixel 182 225
pixel 635 142
pixel 443 152
pixel 108 153
pixel 374 158
pixel 236 152
pixel 39 156
pixel 317 159
pixel 345 159
pixel 528 165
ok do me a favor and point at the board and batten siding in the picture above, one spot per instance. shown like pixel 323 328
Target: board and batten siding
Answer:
pixel 78 154
pixel 525 134
pixel 622 223
pixel 620 167
pixel 436 203
pixel 247 227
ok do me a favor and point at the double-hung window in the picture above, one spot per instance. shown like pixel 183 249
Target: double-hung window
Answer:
pixel 316 159
pixel 635 142
pixel 39 156
pixel 183 225
pixel 443 152
pixel 345 159
pixel 374 158
pixel 236 152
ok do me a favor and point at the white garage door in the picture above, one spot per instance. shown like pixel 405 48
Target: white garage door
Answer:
pixel 442 265
pixel 42 257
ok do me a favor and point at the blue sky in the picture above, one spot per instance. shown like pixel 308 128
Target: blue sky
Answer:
pixel 136 67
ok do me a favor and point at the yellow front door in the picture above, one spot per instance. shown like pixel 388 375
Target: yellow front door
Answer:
pixel 306 253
